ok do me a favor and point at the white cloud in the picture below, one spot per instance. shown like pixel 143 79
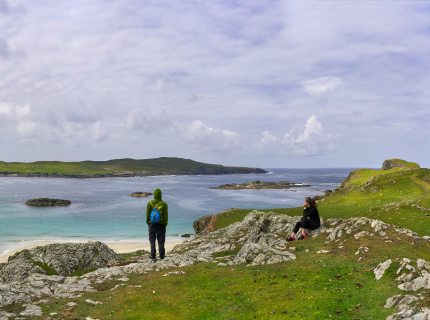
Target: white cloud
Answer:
pixel 321 86
pixel 151 120
pixel 209 139
pixel 27 130
pixel 311 141
pixel 267 140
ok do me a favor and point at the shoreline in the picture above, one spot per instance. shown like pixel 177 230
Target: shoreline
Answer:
pixel 118 246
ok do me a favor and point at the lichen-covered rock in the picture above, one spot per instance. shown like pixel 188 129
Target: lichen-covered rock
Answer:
pixel 62 259
pixel 417 283
pixel 139 194
pixel 380 269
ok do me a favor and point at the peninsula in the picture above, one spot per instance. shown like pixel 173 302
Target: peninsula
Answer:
pixel 257 184
pixel 118 168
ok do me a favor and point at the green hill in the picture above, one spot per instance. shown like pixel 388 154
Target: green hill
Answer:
pixel 118 167
pixel 398 196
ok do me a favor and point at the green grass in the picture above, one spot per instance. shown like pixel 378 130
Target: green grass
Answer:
pixel 48 269
pixel 314 286
pixel 158 165
pixel 407 164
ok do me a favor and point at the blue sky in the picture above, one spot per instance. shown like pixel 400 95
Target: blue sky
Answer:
pixel 253 83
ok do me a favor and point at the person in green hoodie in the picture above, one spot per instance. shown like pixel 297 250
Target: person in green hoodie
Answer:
pixel 157 230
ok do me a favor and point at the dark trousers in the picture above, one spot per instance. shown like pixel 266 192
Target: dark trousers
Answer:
pixel 306 223
pixel 157 231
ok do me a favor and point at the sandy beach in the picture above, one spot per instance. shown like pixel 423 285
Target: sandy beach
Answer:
pixel 118 247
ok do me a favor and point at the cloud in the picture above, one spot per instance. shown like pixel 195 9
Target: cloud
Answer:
pixel 4 49
pixel 4 6
pixel 209 139
pixel 320 86
pixel 27 130
pixel 151 120
pixel 309 142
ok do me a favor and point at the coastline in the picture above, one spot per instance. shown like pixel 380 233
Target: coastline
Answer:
pixel 117 246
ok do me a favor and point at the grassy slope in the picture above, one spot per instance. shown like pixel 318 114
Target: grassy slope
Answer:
pixel 314 286
pixel 393 200
pixel 108 167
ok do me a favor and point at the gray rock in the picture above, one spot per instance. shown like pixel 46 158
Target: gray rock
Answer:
pixel 32 310
pixel 94 303
pixel 63 259
pixel 392 301
pixel 380 269
pixel 417 283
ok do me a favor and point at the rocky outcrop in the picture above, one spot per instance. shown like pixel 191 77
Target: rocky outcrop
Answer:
pixel 141 194
pixel 62 259
pixel 262 185
pixel 205 225
pixel 48 202
pixel 396 163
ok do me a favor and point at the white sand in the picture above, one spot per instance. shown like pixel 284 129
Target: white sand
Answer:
pixel 118 247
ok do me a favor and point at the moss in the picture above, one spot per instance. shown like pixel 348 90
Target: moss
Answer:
pixel 227 252
pixel 48 269
pixel 80 272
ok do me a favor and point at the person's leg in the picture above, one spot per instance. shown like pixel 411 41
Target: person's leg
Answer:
pixel 161 239
pixel 152 236
pixel 297 228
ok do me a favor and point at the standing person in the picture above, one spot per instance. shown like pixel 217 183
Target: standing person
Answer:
pixel 310 219
pixel 157 224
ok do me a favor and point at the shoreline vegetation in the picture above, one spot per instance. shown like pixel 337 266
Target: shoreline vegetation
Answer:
pixel 118 168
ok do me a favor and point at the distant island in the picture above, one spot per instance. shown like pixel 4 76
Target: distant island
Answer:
pixel 257 184
pixel 118 168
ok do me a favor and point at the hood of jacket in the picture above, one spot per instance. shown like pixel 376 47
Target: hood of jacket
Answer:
pixel 157 194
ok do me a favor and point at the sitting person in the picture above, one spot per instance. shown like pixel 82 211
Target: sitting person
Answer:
pixel 310 219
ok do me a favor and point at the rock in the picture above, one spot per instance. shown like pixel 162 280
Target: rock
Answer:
pixel 261 254
pixel 396 163
pixel 124 279
pixel 48 202
pixel 417 283
pixel 31 310
pixel 392 301
pixel 333 235
pixel 62 259
pixel 324 251
pixel 141 194
pixel 380 269
pixel 173 272
pixel 422 264
pixel 186 235
pixel 204 225
pixel 71 304
pixel 94 303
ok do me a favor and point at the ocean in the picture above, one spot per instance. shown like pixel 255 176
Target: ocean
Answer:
pixel 102 209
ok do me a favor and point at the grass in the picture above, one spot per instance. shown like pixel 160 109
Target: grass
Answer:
pixel 314 286
pixel 111 167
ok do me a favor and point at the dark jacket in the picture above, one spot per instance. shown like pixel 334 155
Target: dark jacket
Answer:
pixel 312 213
pixel 157 201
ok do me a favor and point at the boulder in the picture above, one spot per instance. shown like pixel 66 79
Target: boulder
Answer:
pixel 58 258
pixel 204 225
pixel 48 202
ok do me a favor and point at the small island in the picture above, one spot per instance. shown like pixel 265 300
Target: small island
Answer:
pixel 141 194
pixel 262 185
pixel 43 202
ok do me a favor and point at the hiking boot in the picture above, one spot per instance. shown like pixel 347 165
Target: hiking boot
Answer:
pixel 302 237
pixel 290 239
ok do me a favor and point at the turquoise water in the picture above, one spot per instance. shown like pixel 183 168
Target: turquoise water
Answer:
pixel 102 209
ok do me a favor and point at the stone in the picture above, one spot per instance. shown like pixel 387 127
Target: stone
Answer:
pixel 417 283
pixel 71 304
pixel 392 301
pixel 94 303
pixel 31 310
pixel 173 272
pixel 62 259
pixel 324 251
pixel 380 269
pixel 422 264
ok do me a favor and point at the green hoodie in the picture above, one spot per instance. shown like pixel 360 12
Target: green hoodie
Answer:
pixel 157 201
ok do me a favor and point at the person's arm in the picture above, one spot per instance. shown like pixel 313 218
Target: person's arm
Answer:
pixel 148 212
pixel 307 212
pixel 166 215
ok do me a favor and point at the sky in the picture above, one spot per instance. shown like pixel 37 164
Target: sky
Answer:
pixel 259 83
